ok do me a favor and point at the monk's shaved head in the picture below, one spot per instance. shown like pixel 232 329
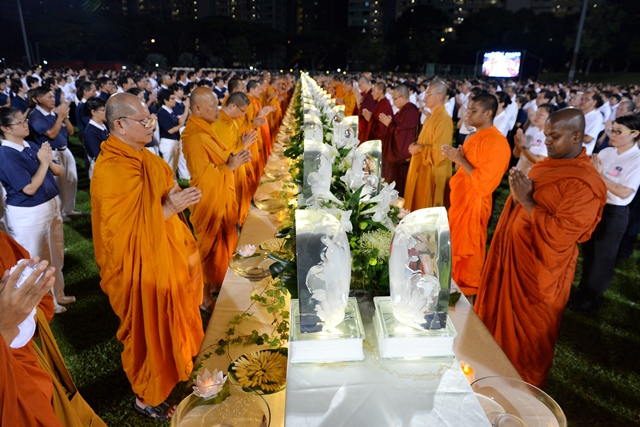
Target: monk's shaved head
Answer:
pixel 235 85
pixel 122 105
pixel 381 86
pixel 571 119
pixel 402 90
pixel 438 86
pixel 252 84
pixel 204 104
pixel 201 95
pixel 238 98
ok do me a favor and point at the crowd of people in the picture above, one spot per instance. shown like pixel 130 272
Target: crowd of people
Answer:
pixel 570 153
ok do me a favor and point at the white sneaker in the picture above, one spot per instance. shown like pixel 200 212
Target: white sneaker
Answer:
pixel 57 308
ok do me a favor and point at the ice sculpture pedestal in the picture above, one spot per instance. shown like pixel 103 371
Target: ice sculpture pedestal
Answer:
pixel 342 343
pixel 397 340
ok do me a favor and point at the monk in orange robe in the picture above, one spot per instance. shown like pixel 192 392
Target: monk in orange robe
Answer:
pixel 211 165
pixel 349 99
pixel 26 389
pixel 148 259
pixel 481 163
pixel 429 171
pixel 229 133
pixel 531 263
pixel 254 90
pixel 270 98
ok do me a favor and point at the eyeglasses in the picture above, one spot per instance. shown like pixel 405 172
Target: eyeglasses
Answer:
pixel 22 123
pixel 618 132
pixel 148 123
pixel 398 97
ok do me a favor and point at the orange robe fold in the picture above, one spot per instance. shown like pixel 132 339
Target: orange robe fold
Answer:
pixel 274 118
pixel 26 389
pixel 429 170
pixel 258 159
pixel 531 263
pixel 349 104
pixel 264 129
pixel 149 268
pixel 214 218
pixel 229 133
pixel 488 152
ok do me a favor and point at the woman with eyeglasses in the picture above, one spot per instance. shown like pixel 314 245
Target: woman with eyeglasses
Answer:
pixel 618 165
pixel 96 132
pixel 32 213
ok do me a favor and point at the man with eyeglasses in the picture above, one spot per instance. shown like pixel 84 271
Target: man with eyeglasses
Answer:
pixel 401 133
pixel 230 134
pixel 589 105
pixel 148 259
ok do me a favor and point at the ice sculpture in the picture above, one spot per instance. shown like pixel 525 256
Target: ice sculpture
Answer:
pixel 420 269
pixel 324 270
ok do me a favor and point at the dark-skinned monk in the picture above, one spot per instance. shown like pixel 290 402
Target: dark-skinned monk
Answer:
pixel 481 163
pixel 377 129
pixel 429 170
pixel 531 263
pixel 148 259
pixel 401 133
pixel 211 165
pixel 234 140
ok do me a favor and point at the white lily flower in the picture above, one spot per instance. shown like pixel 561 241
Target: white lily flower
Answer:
pixel 247 250
pixel 340 215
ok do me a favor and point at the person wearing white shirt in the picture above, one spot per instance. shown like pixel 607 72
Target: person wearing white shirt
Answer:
pixel 450 103
pixel 463 103
pixel 511 109
pixel 501 120
pixel 529 147
pixel 594 123
pixel 605 108
pixel 618 165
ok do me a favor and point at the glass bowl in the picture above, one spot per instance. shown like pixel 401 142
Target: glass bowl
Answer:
pixel 512 402
pixel 232 406
pixel 272 197
pixel 254 267
pixel 273 387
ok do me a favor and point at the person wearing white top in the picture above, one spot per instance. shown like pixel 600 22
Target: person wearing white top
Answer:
pixel 529 147
pixel 618 165
pixel 594 123
pixel 511 109
pixel 501 121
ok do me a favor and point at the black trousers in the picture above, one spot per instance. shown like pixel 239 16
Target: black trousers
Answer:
pixel 600 252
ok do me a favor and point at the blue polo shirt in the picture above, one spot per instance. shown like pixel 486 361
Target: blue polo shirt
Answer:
pixel 3 99
pixel 81 120
pixel 17 167
pixel 93 137
pixel 178 110
pixel 166 121
pixel 40 123
pixel 19 102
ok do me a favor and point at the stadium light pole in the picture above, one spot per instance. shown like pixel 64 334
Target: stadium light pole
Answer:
pixel 24 34
pixel 576 48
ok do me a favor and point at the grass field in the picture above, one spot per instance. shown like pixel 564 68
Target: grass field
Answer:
pixel 595 376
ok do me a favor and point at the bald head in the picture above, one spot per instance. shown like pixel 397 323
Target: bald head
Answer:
pixel 204 104
pixel 571 119
pixel 438 86
pixel 235 85
pixel 402 90
pixel 122 105
pixel 237 98
pixel 251 85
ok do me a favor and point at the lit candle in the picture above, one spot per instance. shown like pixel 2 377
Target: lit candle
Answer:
pixel 468 371
pixel 281 216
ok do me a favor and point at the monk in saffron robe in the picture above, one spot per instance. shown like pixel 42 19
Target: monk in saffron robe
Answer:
pixel 382 106
pixel 270 98
pixel 148 259
pixel 254 91
pixel 211 165
pixel 429 170
pixel 349 99
pixel 481 164
pixel 229 133
pixel 365 102
pixel 26 389
pixel 531 263
pixel 401 133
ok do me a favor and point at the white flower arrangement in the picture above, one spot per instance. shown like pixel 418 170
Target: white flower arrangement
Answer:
pixel 209 384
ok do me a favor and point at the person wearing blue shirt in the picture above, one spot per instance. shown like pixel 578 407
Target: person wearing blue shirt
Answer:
pixel 85 91
pixel 4 98
pixel 51 124
pixel 96 131
pixel 32 214
pixel 18 95
pixel 169 125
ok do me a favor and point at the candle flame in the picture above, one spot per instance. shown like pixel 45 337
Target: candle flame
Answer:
pixel 466 368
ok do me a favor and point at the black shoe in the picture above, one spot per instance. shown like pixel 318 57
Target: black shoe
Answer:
pixel 584 306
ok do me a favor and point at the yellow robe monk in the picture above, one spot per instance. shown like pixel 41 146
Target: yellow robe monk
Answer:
pixel 258 158
pixel 264 129
pixel 214 218
pixel 149 268
pixel 274 118
pixel 531 263
pixel 488 152
pixel 429 170
pixel 229 133
pixel 339 88
pixel 349 104
pixel 26 389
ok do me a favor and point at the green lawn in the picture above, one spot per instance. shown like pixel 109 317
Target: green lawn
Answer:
pixel 595 377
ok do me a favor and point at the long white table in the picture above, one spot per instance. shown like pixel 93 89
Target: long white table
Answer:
pixel 474 344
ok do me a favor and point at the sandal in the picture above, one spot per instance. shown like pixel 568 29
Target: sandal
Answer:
pixel 158 413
